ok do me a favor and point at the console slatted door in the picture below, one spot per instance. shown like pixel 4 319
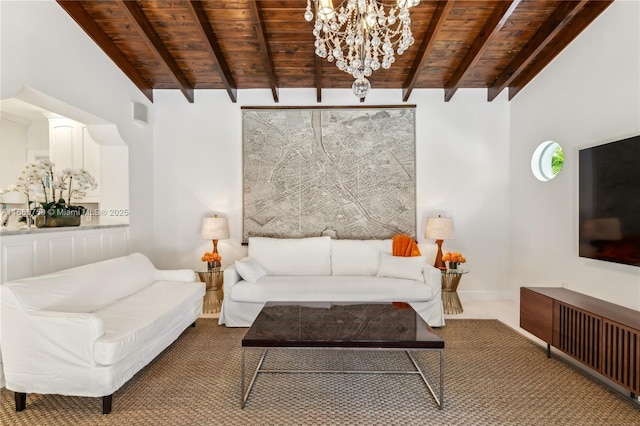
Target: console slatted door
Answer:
pixel 621 363
pixel 578 333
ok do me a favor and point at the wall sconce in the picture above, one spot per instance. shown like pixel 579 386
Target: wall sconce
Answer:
pixel 439 229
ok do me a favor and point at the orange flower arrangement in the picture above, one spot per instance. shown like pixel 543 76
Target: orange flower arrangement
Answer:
pixel 454 257
pixel 211 257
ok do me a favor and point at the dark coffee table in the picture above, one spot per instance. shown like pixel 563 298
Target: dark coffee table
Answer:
pixel 325 325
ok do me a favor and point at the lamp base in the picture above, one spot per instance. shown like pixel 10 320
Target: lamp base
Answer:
pixel 216 263
pixel 439 263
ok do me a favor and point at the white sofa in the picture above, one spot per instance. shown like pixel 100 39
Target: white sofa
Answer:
pixel 327 270
pixel 85 331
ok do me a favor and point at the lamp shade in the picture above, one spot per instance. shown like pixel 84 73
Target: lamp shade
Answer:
pixel 214 228
pixel 439 228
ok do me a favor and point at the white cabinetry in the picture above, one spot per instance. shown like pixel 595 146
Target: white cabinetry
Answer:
pixel 71 146
pixel 40 251
pixel 65 143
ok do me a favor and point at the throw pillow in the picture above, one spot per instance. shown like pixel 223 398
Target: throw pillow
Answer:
pixel 250 270
pixel 409 268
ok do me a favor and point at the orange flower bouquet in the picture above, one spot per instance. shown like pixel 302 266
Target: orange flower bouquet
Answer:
pixel 453 258
pixel 213 259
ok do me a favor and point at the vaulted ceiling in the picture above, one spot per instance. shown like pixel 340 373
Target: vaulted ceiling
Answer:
pixel 248 44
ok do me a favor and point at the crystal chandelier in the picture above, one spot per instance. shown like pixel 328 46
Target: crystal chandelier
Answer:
pixel 360 36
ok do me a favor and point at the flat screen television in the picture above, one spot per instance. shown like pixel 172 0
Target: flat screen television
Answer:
pixel 609 202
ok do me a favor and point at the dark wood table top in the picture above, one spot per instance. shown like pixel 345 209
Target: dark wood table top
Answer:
pixel 341 325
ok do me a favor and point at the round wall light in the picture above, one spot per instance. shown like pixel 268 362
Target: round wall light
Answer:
pixel 547 160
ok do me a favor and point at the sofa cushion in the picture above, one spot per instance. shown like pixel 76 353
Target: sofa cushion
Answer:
pixel 333 289
pixel 67 290
pixel 294 256
pixel 357 257
pixel 409 268
pixel 130 323
pixel 250 269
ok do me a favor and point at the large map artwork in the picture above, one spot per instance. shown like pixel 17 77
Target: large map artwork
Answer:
pixel 348 173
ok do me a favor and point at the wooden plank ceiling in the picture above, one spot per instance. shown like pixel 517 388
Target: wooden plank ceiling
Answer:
pixel 248 44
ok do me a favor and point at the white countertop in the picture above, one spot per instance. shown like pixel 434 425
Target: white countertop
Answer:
pixel 23 231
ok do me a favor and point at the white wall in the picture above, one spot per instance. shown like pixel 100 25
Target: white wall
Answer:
pixel 38 136
pixel 462 171
pixel 590 94
pixel 472 156
pixel 43 48
pixel 13 148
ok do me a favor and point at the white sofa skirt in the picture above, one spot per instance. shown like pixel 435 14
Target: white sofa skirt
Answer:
pixel 243 314
pixel 244 300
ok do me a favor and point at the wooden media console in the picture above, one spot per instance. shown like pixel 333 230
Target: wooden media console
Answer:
pixel 599 334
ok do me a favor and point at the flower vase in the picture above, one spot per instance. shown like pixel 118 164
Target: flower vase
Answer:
pixel 213 265
pixel 44 221
pixel 453 265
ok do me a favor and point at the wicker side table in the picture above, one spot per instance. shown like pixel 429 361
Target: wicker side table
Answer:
pixel 214 295
pixel 450 300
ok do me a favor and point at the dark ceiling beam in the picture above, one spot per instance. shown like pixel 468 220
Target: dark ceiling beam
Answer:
pixel 81 16
pixel 443 8
pixel 135 13
pixel 256 9
pixel 496 21
pixel 580 22
pixel 203 26
pixel 318 78
pixel 541 39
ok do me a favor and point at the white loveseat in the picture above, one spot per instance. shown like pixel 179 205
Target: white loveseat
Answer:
pixel 85 331
pixel 327 270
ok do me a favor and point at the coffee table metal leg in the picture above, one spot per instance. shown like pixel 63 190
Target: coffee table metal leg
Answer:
pixel 242 380
pixel 441 379
pixel 244 396
pixel 440 400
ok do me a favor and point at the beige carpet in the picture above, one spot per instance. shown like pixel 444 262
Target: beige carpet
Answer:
pixel 493 376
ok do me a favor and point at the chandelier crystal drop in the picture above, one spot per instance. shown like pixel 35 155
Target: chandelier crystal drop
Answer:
pixel 361 87
pixel 361 36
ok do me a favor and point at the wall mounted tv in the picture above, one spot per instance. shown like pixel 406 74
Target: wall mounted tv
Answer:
pixel 609 202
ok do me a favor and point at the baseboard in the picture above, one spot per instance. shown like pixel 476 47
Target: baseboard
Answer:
pixel 485 295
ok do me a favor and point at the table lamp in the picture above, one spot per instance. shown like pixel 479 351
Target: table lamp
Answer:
pixel 439 229
pixel 215 228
